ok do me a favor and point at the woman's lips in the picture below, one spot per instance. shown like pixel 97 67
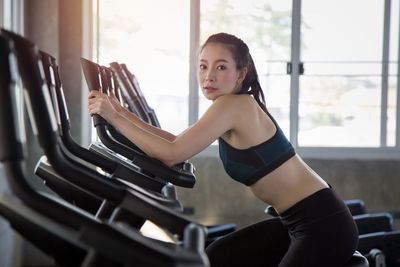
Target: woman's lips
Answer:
pixel 209 89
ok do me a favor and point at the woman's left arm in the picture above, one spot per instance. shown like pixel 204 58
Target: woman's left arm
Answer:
pixel 219 118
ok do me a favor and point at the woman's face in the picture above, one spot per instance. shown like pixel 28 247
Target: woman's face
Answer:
pixel 217 73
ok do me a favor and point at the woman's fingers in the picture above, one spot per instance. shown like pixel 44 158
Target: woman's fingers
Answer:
pixel 101 104
pixel 93 94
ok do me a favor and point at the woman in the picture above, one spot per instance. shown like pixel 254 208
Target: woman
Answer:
pixel 314 228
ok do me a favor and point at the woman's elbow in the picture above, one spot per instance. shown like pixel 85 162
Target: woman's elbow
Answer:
pixel 169 158
pixel 169 163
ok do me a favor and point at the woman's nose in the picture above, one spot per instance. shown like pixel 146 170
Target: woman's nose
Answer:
pixel 210 76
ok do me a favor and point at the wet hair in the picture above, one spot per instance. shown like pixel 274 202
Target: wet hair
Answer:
pixel 241 55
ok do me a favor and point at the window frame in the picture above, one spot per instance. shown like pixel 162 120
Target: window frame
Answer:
pixel 381 152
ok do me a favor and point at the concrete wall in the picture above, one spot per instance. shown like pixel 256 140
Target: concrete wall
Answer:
pixel 10 242
pixel 219 199
pixel 56 27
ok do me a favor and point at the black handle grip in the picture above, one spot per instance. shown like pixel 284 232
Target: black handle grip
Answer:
pixel 98 120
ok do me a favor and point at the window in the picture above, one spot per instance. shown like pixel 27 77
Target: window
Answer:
pixel 344 104
pixel 152 39
pixel 340 91
pixel 11 15
pixel 347 93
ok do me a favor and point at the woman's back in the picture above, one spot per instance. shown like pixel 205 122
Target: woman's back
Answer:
pixel 288 183
pixel 253 127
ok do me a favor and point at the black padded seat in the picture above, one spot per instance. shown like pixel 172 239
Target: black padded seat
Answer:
pixel 357 260
pixel 373 223
pixel 387 242
pixel 356 206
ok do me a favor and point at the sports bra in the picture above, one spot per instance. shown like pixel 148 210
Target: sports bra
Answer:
pixel 249 165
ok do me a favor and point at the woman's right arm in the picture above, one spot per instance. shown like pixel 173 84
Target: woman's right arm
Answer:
pixel 139 122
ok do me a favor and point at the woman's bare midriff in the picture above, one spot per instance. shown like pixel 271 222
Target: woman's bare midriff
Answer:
pixel 288 184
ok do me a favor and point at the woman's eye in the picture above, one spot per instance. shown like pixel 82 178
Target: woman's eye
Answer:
pixel 202 67
pixel 221 67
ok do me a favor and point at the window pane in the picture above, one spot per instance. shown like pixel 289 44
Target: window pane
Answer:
pixel 339 30
pixel 266 28
pixel 154 45
pixel 339 111
pixel 340 91
pixel 7 15
pixel 391 111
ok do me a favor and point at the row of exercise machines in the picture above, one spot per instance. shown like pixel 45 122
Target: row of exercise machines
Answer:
pixel 94 217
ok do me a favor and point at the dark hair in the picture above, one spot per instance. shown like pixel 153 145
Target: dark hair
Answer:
pixel 243 59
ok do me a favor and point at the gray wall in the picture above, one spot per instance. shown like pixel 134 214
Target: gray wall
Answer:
pixel 10 243
pixel 56 27
pixel 219 199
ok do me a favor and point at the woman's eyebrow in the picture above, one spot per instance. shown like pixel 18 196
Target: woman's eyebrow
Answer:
pixel 218 60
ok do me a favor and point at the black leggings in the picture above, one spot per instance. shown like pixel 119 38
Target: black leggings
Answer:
pixel 317 231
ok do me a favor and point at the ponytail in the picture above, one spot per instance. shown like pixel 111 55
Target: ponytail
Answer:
pixel 251 84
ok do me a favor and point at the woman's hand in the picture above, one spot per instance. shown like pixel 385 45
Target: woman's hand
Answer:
pixel 99 103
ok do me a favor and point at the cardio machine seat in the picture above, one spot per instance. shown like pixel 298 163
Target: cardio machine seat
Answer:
pixel 357 260
pixel 356 206
pixel 372 223
pixel 387 242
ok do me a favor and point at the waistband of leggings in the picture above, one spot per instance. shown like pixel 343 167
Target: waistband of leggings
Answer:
pixel 320 204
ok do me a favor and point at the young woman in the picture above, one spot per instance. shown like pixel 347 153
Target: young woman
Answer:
pixel 314 228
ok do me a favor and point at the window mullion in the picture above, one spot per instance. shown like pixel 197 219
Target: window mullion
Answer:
pixel 194 45
pixel 294 78
pixel 87 52
pixel 398 92
pixel 385 72
pixel 1 13
pixel 97 31
pixel 17 8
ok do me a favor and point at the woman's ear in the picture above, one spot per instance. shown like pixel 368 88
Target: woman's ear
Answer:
pixel 242 75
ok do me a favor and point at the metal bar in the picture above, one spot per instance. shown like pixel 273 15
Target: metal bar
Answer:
pixel 194 45
pixel 347 62
pixel 344 75
pixel 87 52
pixel 398 91
pixel 294 77
pixel 2 13
pixel 385 71
pixel 98 32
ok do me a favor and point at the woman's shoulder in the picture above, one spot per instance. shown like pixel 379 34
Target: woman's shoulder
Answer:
pixel 243 103
pixel 235 105
pixel 234 99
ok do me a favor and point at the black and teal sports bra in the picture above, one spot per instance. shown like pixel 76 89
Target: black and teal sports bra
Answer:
pixel 249 165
